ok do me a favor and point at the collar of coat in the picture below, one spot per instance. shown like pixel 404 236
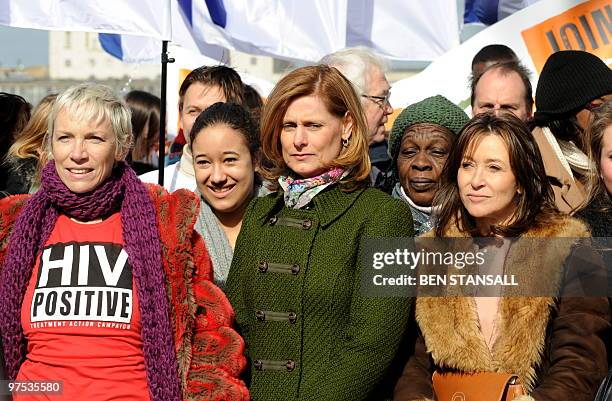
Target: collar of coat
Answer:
pixel 329 204
pixel 450 325
pixel 176 215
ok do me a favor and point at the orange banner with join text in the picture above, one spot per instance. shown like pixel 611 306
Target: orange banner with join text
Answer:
pixel 587 26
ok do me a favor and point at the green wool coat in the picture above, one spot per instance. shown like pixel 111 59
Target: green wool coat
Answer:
pixel 294 284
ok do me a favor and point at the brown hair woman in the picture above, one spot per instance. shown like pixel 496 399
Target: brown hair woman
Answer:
pixel 494 185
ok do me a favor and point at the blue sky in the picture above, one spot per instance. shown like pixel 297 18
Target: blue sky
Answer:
pixel 26 46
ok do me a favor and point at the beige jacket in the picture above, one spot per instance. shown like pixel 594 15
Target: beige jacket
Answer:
pixel 569 192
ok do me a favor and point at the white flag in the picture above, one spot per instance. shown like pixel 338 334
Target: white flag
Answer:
pixel 404 29
pixel 183 34
pixel 290 29
pixel 139 49
pixel 136 17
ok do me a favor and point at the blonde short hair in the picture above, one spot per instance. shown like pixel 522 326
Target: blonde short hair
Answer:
pixel 95 102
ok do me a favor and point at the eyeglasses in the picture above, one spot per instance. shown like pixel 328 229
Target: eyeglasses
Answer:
pixel 381 101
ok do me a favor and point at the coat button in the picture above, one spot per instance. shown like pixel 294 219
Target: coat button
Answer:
pixel 292 317
pixel 290 365
pixel 263 266
pixel 257 364
pixel 295 269
pixel 260 315
pixel 273 220
pixel 306 224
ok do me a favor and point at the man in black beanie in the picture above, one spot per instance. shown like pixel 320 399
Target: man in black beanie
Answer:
pixel 571 84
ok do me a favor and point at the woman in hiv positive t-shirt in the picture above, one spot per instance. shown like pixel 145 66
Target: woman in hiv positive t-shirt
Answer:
pixel 80 314
pixel 96 302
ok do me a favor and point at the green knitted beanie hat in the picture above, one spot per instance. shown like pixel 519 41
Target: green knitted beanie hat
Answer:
pixel 433 110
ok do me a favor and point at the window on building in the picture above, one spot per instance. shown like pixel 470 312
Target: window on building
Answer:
pixel 253 60
pixel 91 41
pixel 67 40
pixel 92 62
pixel 67 63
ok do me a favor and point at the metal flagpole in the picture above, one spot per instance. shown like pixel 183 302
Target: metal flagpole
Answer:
pixel 162 118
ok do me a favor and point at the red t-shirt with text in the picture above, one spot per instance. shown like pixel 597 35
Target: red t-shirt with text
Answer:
pixel 80 316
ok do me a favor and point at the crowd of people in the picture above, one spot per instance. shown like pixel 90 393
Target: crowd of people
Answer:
pixel 243 277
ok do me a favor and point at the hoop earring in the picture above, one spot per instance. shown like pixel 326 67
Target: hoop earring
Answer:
pixel 345 143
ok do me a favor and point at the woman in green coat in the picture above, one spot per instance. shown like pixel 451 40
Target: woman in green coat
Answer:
pixel 295 280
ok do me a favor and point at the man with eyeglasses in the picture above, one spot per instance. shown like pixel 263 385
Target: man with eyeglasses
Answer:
pixel 366 71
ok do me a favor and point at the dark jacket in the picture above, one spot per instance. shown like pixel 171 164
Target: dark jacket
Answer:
pixel 295 286
pixel 555 345
pixel 21 173
pixel 379 157
pixel 598 215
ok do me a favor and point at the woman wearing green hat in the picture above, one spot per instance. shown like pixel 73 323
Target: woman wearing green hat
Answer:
pixel 419 144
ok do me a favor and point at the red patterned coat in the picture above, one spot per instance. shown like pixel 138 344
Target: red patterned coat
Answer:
pixel 210 353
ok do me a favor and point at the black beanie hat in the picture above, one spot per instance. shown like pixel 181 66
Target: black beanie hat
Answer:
pixel 570 80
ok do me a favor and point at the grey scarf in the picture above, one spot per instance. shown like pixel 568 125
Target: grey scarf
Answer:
pixel 217 244
pixel 422 221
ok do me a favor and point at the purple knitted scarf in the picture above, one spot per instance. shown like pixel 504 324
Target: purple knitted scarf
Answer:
pixel 123 192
